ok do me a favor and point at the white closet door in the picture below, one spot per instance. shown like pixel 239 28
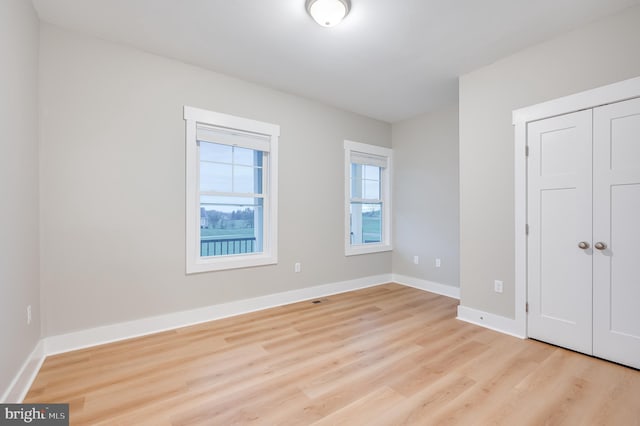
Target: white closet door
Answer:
pixel 560 218
pixel 617 224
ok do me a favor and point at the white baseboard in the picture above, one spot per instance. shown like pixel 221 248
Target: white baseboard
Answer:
pixel 52 345
pixel 127 330
pixel 430 286
pixel 21 383
pixel 492 321
pixel 111 333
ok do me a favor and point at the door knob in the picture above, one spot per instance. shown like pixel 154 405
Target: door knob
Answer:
pixel 600 246
pixel 583 245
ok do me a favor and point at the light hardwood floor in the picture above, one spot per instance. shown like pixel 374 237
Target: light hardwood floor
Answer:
pixel 387 355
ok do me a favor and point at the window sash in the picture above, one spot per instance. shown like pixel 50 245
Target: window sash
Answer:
pixel 260 232
pixel 360 233
pixel 264 169
pixel 358 183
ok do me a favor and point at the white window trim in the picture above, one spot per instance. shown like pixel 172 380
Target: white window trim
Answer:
pixel 386 196
pixel 194 262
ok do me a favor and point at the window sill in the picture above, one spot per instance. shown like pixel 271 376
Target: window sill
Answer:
pixel 227 263
pixel 367 249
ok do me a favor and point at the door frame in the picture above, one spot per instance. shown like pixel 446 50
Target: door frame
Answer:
pixel 616 92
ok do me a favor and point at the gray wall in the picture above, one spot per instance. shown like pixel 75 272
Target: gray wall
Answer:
pixel 19 256
pixel 598 54
pixel 426 196
pixel 113 196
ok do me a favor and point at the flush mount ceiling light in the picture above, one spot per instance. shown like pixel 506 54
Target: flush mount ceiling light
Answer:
pixel 328 12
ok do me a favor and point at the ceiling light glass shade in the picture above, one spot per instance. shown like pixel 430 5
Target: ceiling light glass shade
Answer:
pixel 328 12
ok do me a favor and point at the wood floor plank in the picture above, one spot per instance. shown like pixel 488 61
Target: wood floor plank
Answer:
pixel 420 406
pixel 386 355
pixel 365 409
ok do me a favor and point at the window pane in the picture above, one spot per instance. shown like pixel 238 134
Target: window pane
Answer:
pixel 244 156
pixel 247 179
pixel 366 223
pixel 215 177
pixel 356 181
pixel 225 168
pixel 216 152
pixel 371 189
pixel 230 229
pixel 365 181
pixel 371 173
pixel 357 188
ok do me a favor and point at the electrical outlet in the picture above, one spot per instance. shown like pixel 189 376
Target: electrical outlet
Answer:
pixel 297 267
pixel 437 263
pixel 497 286
pixel 416 260
pixel 28 314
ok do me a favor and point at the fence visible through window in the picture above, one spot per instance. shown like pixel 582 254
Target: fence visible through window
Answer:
pixel 226 246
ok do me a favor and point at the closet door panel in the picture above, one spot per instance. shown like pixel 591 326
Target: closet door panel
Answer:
pixel 559 217
pixel 617 225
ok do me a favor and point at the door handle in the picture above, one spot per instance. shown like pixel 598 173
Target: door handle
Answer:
pixel 583 245
pixel 600 246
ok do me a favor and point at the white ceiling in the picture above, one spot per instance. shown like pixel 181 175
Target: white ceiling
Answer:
pixel 389 59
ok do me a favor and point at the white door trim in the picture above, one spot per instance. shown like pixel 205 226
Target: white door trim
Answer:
pixel 616 92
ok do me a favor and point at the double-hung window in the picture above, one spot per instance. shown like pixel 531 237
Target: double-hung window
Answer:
pixel 231 191
pixel 367 198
